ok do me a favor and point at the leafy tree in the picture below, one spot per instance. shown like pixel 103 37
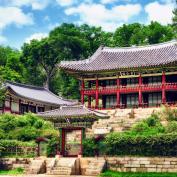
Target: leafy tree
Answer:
pixel 137 34
pixel 128 35
pixel 10 66
pixel 157 33
pixel 175 15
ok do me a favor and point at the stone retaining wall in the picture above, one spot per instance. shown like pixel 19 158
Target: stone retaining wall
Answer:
pixel 142 164
pixel 12 163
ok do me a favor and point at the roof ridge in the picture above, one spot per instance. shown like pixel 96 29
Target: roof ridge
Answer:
pixel 163 44
pixel 93 57
pixel 26 85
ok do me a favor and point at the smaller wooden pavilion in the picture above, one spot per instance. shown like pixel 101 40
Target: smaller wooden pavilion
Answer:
pixel 22 98
pixel 72 121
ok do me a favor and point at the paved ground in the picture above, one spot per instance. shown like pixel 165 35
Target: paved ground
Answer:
pixel 42 175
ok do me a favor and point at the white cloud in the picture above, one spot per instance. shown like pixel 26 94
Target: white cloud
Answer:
pixel 113 1
pixel 99 15
pixel 160 12
pixel 66 2
pixel 35 4
pixel 107 1
pixel 37 36
pixel 14 15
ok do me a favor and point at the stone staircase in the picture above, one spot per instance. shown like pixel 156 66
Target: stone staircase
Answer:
pixel 121 120
pixel 63 166
pixel 92 166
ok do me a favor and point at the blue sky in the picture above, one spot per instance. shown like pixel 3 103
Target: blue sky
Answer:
pixel 23 20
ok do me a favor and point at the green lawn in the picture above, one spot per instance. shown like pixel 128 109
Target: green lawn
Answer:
pixel 16 171
pixel 119 174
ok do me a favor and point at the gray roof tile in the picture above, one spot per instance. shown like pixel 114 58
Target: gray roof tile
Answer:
pixel 39 94
pixel 72 111
pixel 106 58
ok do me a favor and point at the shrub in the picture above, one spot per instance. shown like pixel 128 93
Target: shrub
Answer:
pixel 49 133
pixel 171 127
pixel 155 145
pixel 10 148
pixel 94 146
pixel 7 122
pixel 25 127
pixel 89 147
pixel 149 126
pixel 2 134
pixel 169 113
pixel 52 147
pixel 27 134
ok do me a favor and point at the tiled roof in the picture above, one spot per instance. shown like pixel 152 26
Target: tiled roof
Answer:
pixel 106 58
pixel 71 112
pixel 38 94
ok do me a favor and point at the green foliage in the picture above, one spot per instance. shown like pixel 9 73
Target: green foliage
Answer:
pixel 10 66
pixel 89 147
pixel 130 174
pixel 25 127
pixel 154 145
pixel 16 171
pixel 13 143
pixel 147 138
pixel 171 127
pixel 52 147
pixel 149 126
pixel 169 114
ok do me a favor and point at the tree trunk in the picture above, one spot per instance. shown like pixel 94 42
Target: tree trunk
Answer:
pixel 47 82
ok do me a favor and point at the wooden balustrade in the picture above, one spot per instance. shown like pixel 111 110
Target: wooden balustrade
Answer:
pixel 130 88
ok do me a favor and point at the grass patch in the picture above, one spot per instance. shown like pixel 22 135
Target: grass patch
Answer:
pixel 16 171
pixel 128 174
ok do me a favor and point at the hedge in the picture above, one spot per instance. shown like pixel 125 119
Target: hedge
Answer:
pixel 9 148
pixel 123 144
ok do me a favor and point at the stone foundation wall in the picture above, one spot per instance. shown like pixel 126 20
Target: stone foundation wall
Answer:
pixel 12 163
pixel 142 164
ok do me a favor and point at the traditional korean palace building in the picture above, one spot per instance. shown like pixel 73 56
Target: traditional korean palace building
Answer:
pixel 21 98
pixel 72 122
pixel 127 77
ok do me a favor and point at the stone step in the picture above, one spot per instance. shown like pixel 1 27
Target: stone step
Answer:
pixel 62 172
pixel 61 168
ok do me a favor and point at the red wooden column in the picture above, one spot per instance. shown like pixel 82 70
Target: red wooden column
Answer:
pixel 63 142
pixel 82 91
pixel 89 101
pixel 118 93
pixel 140 98
pixel 163 87
pixel 96 96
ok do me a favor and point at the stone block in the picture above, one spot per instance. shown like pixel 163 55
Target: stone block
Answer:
pixel 159 170
pixel 141 169
pixel 145 162
pixel 173 163
pixel 168 166
pixel 172 170
pixel 164 170
pixel 150 166
pixel 151 169
pixel 133 169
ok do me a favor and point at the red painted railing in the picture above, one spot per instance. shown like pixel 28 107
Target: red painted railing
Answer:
pixel 130 88
pixel 144 105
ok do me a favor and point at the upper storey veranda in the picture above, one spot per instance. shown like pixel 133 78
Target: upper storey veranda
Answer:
pixel 111 60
